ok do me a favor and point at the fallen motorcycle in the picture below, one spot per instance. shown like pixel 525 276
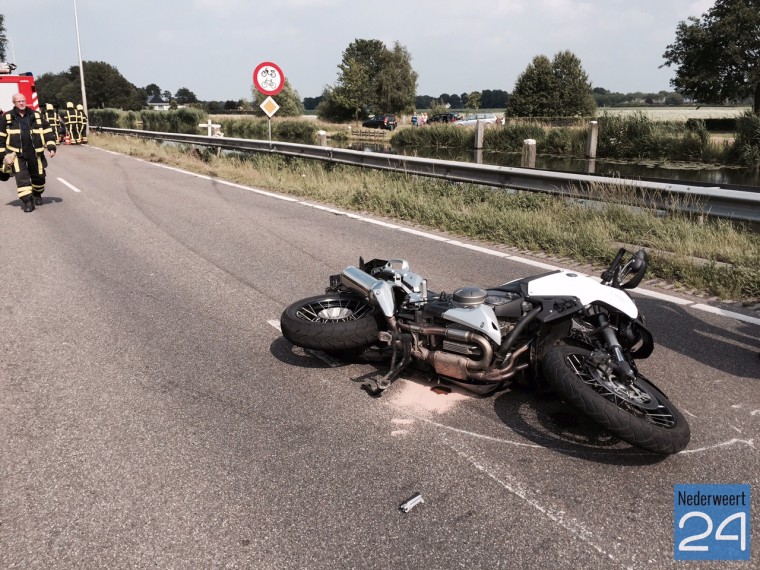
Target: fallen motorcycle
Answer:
pixel 561 330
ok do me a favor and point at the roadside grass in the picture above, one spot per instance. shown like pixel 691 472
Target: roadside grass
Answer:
pixel 707 257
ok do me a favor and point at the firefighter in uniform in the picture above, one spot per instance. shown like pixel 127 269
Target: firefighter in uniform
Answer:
pixel 24 136
pixel 56 122
pixel 82 123
pixel 70 118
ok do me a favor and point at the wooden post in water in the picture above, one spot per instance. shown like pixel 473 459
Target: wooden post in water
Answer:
pixel 529 153
pixel 480 129
pixel 593 136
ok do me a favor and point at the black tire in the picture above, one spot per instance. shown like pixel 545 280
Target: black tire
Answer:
pixel 335 323
pixel 653 424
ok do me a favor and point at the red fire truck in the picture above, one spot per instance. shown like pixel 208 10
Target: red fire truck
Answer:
pixel 12 84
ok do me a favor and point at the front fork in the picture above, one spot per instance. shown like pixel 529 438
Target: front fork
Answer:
pixel 616 359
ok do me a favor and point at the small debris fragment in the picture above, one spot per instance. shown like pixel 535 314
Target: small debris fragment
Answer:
pixel 411 503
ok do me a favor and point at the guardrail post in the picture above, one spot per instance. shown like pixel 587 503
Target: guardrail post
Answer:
pixel 529 153
pixel 322 138
pixel 593 136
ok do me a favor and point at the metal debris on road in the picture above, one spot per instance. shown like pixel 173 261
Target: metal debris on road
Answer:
pixel 411 503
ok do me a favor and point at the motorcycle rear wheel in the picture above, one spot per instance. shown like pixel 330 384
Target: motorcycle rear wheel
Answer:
pixel 335 323
pixel 640 414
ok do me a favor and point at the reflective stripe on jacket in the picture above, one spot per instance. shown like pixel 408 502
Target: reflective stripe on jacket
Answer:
pixel 10 133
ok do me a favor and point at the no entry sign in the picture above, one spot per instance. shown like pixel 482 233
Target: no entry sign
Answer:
pixel 268 78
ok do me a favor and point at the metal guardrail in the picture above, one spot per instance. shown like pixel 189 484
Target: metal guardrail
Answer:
pixel 710 201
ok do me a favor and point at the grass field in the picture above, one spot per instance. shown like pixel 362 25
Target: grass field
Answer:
pixel 681 113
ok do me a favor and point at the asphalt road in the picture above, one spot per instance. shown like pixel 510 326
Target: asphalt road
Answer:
pixel 151 414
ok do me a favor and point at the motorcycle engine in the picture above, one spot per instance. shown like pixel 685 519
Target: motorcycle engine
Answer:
pixel 469 297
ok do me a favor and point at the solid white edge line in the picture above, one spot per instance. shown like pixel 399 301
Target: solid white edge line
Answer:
pixel 724 313
pixel 663 297
pixel 480 249
pixel 71 186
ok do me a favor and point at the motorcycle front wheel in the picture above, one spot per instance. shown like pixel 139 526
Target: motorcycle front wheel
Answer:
pixel 637 413
pixel 337 323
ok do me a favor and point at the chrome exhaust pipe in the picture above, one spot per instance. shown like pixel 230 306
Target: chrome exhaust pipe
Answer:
pixel 358 280
pixel 378 292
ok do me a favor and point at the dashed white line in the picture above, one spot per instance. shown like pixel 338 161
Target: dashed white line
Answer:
pixel 69 185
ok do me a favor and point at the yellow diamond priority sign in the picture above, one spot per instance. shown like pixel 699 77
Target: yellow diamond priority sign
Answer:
pixel 269 106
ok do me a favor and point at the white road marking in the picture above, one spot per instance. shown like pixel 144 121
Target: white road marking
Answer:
pixel 723 312
pixel 553 513
pixel 654 294
pixel 71 186
pixel 731 442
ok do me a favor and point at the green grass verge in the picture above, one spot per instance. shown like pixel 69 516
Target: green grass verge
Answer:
pixel 714 258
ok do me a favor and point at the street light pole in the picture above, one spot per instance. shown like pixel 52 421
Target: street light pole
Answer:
pixel 81 67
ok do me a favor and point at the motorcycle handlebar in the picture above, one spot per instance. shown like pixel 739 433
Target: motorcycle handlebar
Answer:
pixel 609 275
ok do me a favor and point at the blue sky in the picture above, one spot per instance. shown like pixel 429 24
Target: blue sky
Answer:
pixel 212 46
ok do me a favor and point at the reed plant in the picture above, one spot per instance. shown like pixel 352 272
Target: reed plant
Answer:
pixel 747 144
pixel 705 256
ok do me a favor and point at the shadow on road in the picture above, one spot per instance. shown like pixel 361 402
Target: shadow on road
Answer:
pixel 543 419
pixel 733 351
pixel 550 422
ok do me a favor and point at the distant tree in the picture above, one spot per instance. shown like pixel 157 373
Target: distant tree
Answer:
pixel 372 79
pixel 59 88
pixel 423 102
pixel 185 96
pixel 166 96
pixel 106 87
pixel 311 103
pixel 717 57
pixel 556 88
pixel 473 100
pixel 454 101
pixel 674 99
pixel 493 99
pixel 396 82
pixel 535 90
pixel 574 96
pixel 230 105
pixel 4 40
pixel 288 100
pixel 332 108
pixel 354 91
pixel 152 90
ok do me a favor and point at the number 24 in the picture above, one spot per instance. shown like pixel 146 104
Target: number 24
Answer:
pixel 742 538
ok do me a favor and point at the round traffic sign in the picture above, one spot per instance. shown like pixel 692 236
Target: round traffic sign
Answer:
pixel 268 78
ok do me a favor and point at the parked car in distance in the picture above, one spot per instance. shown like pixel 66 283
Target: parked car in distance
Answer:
pixel 471 119
pixel 444 118
pixel 387 122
